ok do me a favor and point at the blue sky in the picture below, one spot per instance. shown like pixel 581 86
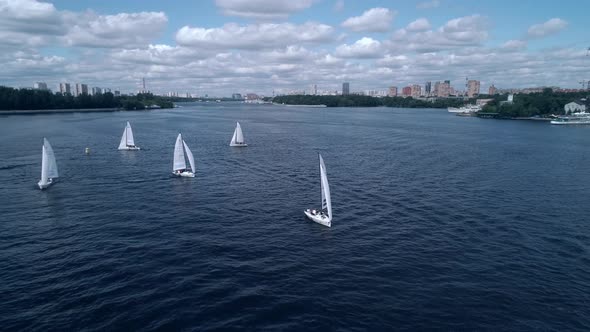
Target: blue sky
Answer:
pixel 223 46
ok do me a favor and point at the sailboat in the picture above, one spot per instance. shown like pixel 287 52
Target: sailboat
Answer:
pixel 179 167
pixel 48 166
pixel 238 138
pixel 127 142
pixel 323 216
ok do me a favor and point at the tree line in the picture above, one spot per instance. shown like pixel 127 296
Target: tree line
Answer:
pixel 368 101
pixel 29 99
pixel 540 104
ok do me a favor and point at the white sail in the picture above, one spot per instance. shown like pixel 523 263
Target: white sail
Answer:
pixel 123 143
pixel 190 157
pixel 129 135
pixel 51 164
pixel 44 167
pixel 238 134
pixel 325 188
pixel 179 162
pixel 233 138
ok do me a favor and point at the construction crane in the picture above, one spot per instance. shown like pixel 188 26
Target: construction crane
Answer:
pixel 584 84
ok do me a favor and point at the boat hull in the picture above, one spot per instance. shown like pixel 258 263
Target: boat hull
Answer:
pixel 238 144
pixel 184 174
pixel 45 185
pixel 570 123
pixel 320 219
pixel 130 148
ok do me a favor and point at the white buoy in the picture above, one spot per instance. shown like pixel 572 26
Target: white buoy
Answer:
pixel 87 150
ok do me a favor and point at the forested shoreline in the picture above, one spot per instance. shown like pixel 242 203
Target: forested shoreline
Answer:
pixel 368 101
pixel 540 104
pixel 30 99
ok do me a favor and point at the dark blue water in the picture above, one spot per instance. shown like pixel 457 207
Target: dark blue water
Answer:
pixel 440 223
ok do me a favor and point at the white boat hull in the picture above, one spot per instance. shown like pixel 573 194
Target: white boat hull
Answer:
pixel 184 174
pixel 570 123
pixel 45 185
pixel 238 144
pixel 130 148
pixel 320 219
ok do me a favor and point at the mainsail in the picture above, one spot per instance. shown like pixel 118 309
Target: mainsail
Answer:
pixel 51 164
pixel 325 188
pixel 130 141
pixel 179 162
pixel 239 135
pixel 48 164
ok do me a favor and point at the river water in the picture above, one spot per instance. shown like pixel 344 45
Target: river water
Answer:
pixel 440 222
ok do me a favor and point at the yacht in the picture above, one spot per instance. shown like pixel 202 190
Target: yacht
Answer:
pixel 465 109
pixel 581 118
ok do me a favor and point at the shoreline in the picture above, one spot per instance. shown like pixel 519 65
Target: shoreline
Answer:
pixel 70 110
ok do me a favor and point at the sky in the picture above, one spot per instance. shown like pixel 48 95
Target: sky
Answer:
pixel 220 47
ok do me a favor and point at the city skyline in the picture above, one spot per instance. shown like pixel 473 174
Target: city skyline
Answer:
pixel 227 46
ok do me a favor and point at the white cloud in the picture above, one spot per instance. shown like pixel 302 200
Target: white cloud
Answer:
pixel 262 9
pixel 338 5
pixel 363 48
pixel 428 4
pixel 33 23
pixel 420 24
pixel 550 27
pixel 456 33
pixel 116 50
pixel 256 36
pixel 513 45
pixel 29 16
pixel 160 54
pixel 120 30
pixel 372 20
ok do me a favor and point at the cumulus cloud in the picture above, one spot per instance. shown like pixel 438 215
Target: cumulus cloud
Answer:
pixel 29 16
pixel 117 49
pixel 420 24
pixel 513 45
pixel 372 20
pixel 120 30
pixel 458 32
pixel 428 4
pixel 362 48
pixel 256 36
pixel 550 27
pixel 159 54
pixel 33 23
pixel 262 9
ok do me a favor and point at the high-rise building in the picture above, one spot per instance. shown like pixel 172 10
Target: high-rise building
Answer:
pixel 313 89
pixel 345 88
pixel 407 91
pixel 106 90
pixel 492 90
pixel 81 89
pixel 41 86
pixel 472 88
pixel 117 93
pixel 392 91
pixel 96 91
pixel 427 88
pixel 416 91
pixel 444 89
pixel 65 88
pixel 436 89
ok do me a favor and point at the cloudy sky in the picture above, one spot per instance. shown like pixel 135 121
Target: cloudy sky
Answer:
pixel 223 46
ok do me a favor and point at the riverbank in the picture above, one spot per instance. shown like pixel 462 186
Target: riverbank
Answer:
pixel 72 110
